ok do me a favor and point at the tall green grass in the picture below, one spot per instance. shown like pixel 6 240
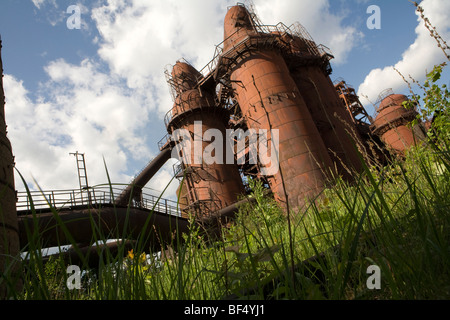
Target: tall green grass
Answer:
pixel 397 218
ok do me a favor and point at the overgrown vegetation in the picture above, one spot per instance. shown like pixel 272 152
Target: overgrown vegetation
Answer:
pixel 396 217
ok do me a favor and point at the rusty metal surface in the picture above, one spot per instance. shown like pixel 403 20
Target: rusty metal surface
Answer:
pixel 206 187
pixel 237 26
pixel 109 222
pixel 134 189
pixel 392 124
pixel 336 127
pixel 269 99
pixel 8 219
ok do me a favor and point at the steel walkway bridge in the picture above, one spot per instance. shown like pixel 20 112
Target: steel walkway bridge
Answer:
pixel 65 217
pixel 43 200
pixel 62 217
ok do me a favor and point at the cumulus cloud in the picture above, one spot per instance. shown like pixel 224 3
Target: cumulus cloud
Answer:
pixel 315 16
pixel 87 111
pixel 419 58
pixel 140 38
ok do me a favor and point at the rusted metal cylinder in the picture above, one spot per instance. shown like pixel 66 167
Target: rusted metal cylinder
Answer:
pixel 392 124
pixel 9 238
pixel 182 195
pixel 209 184
pixel 308 67
pixel 134 189
pixel 269 99
pixel 237 26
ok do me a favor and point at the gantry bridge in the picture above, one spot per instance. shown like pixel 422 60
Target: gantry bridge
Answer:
pixel 83 216
pixel 97 196
pixel 62 217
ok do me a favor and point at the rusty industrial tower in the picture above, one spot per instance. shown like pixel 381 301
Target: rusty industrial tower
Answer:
pixel 205 188
pixel 273 78
pixel 270 80
pixel 392 123
pixel 9 231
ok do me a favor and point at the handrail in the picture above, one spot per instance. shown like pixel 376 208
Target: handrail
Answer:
pixel 296 29
pixel 97 195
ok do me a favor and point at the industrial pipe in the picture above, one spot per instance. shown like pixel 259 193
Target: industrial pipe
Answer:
pixel 135 187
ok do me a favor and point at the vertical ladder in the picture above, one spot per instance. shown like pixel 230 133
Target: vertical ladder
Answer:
pixel 82 175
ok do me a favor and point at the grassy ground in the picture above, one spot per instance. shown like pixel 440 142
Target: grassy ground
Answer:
pixel 397 219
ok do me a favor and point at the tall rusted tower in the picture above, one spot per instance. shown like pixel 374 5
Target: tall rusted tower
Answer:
pixel 9 237
pixel 280 80
pixel 195 119
pixel 392 123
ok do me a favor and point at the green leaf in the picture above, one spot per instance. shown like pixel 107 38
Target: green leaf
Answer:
pixel 234 249
pixel 265 254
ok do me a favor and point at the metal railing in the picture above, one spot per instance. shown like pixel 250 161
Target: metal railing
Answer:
pixel 164 141
pixel 295 29
pixel 188 104
pixel 93 196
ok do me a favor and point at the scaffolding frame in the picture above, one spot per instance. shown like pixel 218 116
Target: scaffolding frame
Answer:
pixel 351 101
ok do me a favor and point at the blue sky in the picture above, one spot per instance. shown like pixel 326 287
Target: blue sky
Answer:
pixel 101 89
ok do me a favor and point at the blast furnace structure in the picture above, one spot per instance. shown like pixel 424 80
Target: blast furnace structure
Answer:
pixel 266 78
pixel 276 78
pixel 392 123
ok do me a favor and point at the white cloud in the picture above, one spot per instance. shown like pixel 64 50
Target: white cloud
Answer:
pixel 139 39
pixel 87 111
pixel 38 3
pixel 324 27
pixel 419 58
pixel 50 10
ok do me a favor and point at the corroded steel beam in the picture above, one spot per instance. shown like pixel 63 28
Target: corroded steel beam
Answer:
pixel 79 226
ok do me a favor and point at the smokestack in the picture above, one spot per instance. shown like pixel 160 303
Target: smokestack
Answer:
pixel 391 123
pixel 269 99
pixel 206 187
